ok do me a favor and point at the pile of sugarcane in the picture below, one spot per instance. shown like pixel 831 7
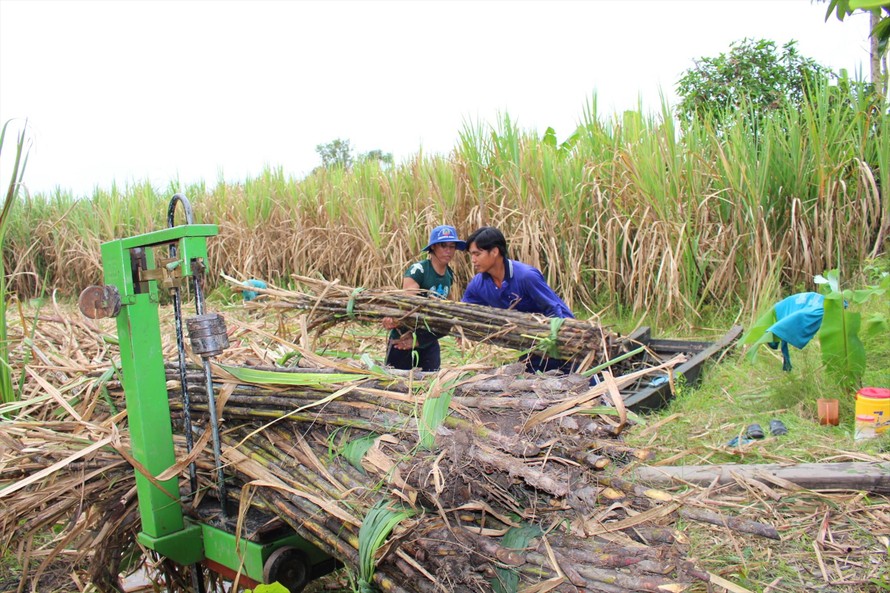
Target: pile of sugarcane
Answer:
pixel 488 479
pixel 329 303
pixel 495 479
pixel 498 487
pixel 67 502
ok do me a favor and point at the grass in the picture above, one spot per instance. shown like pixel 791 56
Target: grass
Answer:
pixel 694 430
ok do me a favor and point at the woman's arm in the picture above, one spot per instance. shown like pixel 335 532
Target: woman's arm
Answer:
pixel 409 284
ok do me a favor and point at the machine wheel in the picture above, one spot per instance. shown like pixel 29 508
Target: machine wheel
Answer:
pixel 289 566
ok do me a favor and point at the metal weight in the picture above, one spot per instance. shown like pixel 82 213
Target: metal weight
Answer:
pixel 207 334
pixel 99 302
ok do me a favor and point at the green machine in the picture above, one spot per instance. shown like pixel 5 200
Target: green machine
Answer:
pixel 136 270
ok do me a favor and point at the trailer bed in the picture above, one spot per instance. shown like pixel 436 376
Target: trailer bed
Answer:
pixel 650 393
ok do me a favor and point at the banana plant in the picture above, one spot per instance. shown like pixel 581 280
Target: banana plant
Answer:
pixel 831 315
pixel 843 352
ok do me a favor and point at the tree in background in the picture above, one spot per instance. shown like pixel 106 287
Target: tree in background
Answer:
pixel 338 153
pixel 384 158
pixel 754 76
pixel 335 153
pixel 880 35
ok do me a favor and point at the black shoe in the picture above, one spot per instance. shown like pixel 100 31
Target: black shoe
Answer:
pixel 777 427
pixel 754 431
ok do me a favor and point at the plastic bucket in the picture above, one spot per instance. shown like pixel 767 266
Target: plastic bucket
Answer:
pixel 865 427
pixel 875 401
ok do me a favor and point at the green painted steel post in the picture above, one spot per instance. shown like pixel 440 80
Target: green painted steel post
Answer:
pixel 144 382
pixel 164 529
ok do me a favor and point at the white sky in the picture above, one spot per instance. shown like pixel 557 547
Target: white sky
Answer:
pixel 164 90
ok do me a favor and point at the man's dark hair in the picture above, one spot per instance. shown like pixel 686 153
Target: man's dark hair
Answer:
pixel 488 237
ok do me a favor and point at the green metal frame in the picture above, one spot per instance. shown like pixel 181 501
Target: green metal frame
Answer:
pixel 247 556
pixel 164 528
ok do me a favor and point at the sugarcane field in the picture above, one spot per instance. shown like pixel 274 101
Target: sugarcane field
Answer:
pixel 647 351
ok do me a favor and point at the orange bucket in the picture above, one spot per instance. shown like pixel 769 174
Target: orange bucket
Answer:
pixel 875 401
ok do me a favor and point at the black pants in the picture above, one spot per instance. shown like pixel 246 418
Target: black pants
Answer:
pixel 428 358
pixel 535 363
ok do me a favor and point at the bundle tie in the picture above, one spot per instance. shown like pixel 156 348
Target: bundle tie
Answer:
pixel 555 324
pixel 351 304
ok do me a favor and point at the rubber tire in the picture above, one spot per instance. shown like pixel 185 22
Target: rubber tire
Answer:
pixel 289 566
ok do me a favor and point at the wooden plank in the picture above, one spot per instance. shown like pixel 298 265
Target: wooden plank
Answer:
pixel 642 335
pixel 677 346
pixel 870 477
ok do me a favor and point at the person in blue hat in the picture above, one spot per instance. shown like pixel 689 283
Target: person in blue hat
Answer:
pixel 412 347
pixel 509 284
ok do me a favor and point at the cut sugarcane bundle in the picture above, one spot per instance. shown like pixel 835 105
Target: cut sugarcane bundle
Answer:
pixel 328 303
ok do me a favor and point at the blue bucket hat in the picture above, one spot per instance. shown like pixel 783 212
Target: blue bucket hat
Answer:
pixel 445 234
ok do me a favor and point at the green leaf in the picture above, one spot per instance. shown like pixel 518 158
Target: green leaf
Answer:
pixel 355 450
pixel 862 295
pixel 376 527
pixel 288 356
pixel 594 370
pixel 842 351
pixel 839 7
pixel 867 4
pixel 275 587
pixel 570 142
pixel 549 138
pixel 876 325
pixel 433 414
pixel 369 362
pixel 517 538
pixel 758 333
pixel 263 377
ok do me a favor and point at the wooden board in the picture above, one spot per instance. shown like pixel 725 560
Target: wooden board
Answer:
pixel 869 477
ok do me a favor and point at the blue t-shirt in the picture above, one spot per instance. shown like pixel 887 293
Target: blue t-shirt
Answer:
pixel 523 289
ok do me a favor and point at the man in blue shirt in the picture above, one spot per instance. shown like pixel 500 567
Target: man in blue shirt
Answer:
pixel 508 284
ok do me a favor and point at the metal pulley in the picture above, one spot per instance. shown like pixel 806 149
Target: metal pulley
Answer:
pixel 99 302
pixel 207 334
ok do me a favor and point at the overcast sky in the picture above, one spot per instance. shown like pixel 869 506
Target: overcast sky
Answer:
pixel 189 91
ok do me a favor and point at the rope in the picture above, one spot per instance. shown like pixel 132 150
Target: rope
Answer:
pixel 351 304
pixel 555 324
